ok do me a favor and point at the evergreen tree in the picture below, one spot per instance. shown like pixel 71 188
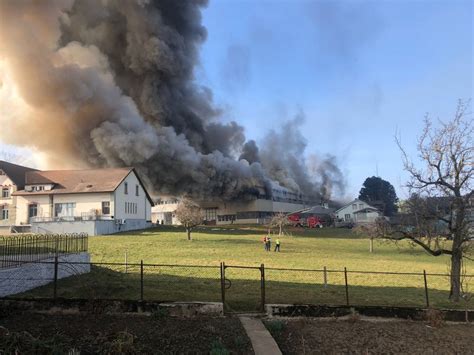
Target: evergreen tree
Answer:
pixel 379 192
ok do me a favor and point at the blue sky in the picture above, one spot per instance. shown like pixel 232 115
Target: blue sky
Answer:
pixel 360 71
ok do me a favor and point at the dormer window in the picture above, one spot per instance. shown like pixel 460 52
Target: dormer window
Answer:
pixel 6 192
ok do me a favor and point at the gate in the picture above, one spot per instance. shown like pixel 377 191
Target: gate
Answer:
pixel 243 288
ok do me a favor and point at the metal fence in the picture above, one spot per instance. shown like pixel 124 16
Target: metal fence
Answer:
pixel 15 250
pixel 244 288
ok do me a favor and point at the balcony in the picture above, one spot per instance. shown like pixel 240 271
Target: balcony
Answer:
pixel 82 217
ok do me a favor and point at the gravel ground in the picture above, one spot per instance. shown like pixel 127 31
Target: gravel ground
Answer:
pixel 124 334
pixel 320 336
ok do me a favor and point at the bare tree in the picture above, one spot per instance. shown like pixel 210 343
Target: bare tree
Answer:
pixel 189 214
pixel 442 192
pixel 280 221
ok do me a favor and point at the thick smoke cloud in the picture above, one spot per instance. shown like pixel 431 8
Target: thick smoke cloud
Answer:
pixel 110 83
pixel 283 156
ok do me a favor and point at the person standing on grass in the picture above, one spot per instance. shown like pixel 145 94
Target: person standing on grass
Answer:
pixel 277 245
pixel 265 242
pixel 269 243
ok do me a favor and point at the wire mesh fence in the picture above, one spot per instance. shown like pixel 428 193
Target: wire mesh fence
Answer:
pixel 240 288
pixel 14 250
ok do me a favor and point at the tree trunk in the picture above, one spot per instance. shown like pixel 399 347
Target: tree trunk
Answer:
pixel 281 227
pixel 455 291
pixel 189 233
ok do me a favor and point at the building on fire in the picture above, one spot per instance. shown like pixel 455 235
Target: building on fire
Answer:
pixel 256 211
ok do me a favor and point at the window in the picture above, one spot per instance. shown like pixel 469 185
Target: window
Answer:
pixel 4 214
pixel 347 217
pixel 361 206
pixel 354 206
pixel 32 210
pixel 105 207
pixel 137 189
pixel 210 214
pixel 5 192
pixel 64 209
pixel 126 188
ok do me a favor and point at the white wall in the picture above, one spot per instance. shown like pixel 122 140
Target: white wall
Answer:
pixel 350 210
pixel 22 203
pixel 143 205
pixel 9 202
pixel 85 203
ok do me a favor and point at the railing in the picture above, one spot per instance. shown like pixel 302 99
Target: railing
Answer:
pixel 16 250
pixel 82 217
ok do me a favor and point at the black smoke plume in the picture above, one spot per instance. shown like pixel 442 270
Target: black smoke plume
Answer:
pixel 111 83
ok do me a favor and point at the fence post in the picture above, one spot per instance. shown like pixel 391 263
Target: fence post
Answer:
pixel 55 288
pixel 223 286
pixel 262 286
pixel 426 290
pixel 347 286
pixel 325 277
pixel 126 262
pixel 141 280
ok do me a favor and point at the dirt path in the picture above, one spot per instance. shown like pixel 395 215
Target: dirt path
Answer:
pixel 319 336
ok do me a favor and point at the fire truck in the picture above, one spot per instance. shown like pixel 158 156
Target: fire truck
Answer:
pixel 308 222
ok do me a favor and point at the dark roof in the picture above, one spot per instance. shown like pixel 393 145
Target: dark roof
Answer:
pixel 79 181
pixel 16 173
pixel 319 210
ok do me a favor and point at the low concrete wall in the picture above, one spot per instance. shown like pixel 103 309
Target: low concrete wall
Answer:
pixel 28 276
pixel 415 313
pixel 174 309
pixel 99 227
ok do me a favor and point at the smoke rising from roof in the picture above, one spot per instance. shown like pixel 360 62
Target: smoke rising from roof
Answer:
pixel 110 83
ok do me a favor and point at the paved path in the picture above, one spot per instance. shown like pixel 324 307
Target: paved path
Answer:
pixel 262 341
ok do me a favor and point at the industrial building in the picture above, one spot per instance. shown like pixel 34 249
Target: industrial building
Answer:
pixel 257 211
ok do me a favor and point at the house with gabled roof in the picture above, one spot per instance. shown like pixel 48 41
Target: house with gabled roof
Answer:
pixel 93 201
pixel 357 211
pixel 12 178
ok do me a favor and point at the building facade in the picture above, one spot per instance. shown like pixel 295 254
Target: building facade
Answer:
pixel 12 179
pixel 257 211
pixel 357 211
pixel 95 201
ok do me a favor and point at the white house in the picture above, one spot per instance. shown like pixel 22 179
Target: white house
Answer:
pixel 12 178
pixel 357 211
pixel 95 201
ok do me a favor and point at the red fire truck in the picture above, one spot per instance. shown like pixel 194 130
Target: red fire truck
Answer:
pixel 309 222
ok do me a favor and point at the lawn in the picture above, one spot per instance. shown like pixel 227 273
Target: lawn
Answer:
pixel 334 249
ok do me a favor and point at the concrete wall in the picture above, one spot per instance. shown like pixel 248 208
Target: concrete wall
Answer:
pixel 98 227
pixel 32 275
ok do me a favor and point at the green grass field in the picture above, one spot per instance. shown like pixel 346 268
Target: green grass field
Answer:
pixel 242 246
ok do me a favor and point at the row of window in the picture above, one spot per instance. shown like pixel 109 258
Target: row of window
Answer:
pixel 131 207
pixel 226 218
pixel 137 189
